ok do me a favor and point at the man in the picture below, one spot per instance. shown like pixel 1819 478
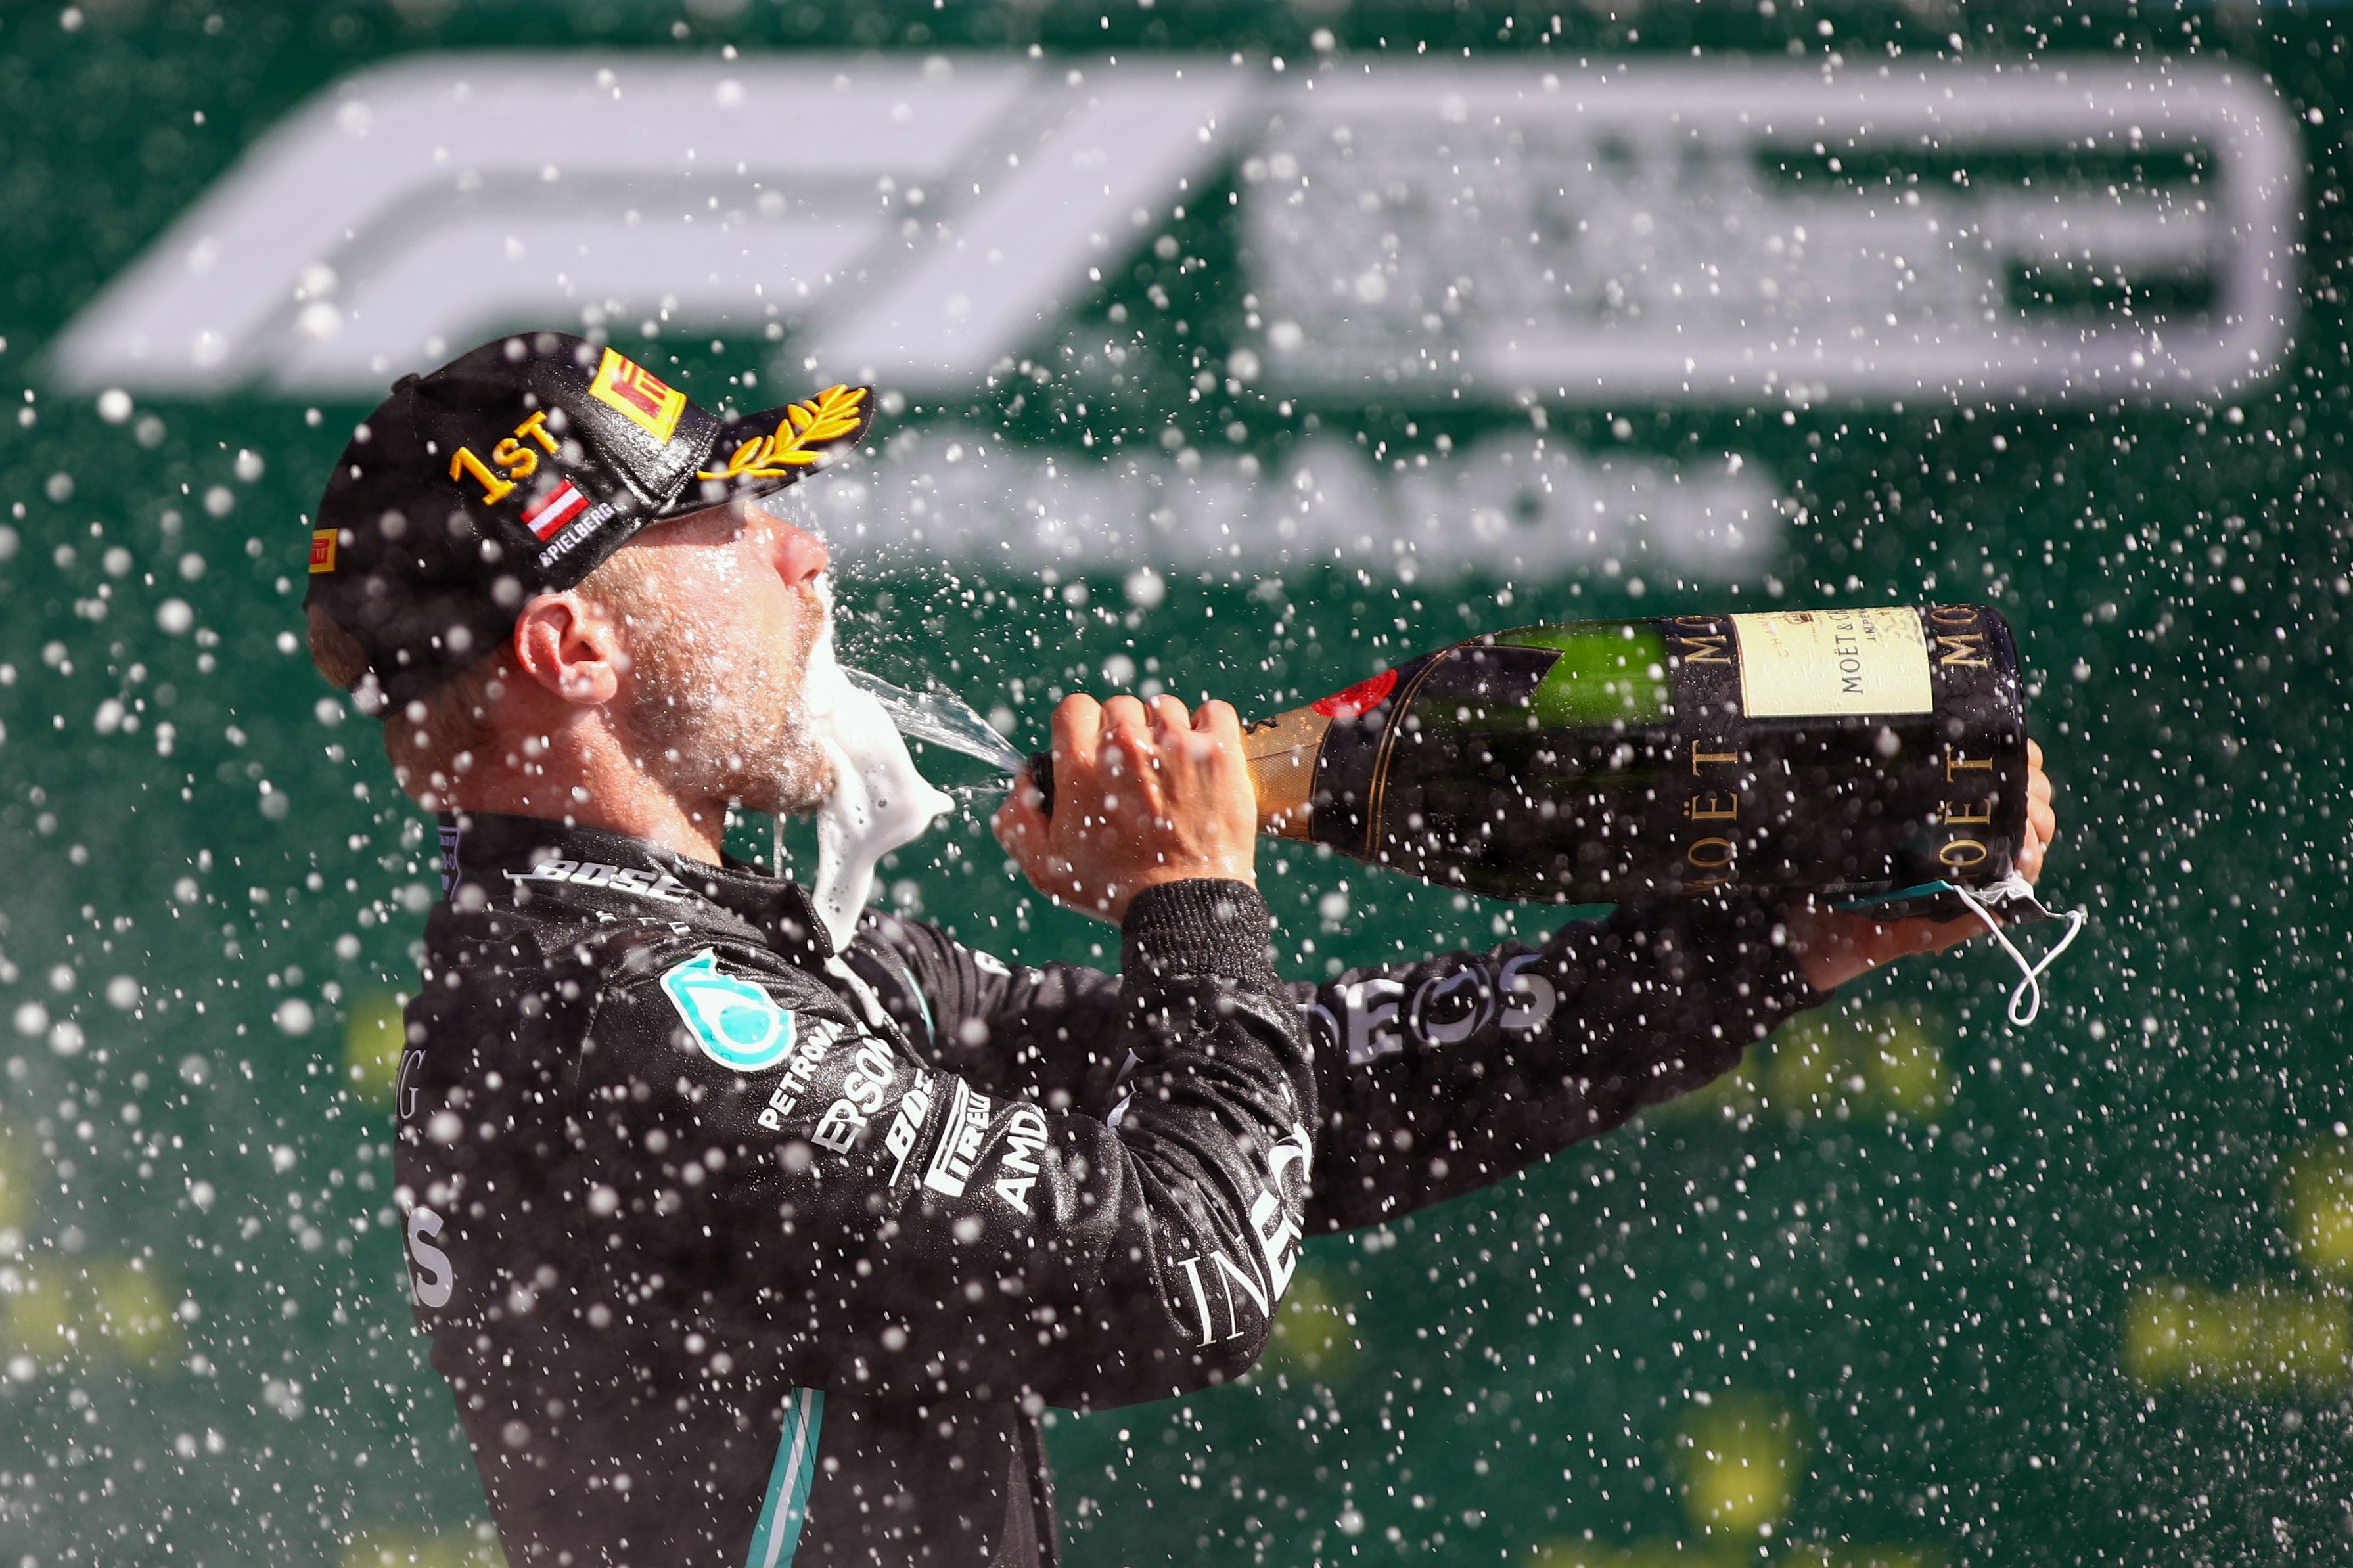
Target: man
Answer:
pixel 734 1247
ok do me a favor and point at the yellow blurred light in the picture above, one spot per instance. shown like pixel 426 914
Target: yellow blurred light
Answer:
pixel 2157 1331
pixel 131 1308
pixel 1662 1554
pixel 1808 1070
pixel 374 1035
pixel 1876 1061
pixel 16 1184
pixel 1809 1556
pixel 1735 1095
pixel 113 1310
pixel 38 1313
pixel 391 1547
pixel 1314 1332
pixel 1907 1068
pixel 2315 1203
pixel 2255 1339
pixel 1737 1461
pixel 2305 1340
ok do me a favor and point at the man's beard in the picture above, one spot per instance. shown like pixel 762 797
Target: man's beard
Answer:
pixel 716 715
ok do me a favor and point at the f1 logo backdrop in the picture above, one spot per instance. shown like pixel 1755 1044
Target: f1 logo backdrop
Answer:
pixel 1441 233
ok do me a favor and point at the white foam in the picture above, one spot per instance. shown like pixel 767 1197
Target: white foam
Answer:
pixel 879 801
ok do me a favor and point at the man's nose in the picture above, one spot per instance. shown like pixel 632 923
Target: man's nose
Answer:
pixel 800 556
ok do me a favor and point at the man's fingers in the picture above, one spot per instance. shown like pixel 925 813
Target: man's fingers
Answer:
pixel 1125 723
pixel 1127 737
pixel 1901 939
pixel 2041 827
pixel 2029 864
pixel 1159 795
pixel 1124 713
pixel 1835 947
pixel 1012 833
pixel 1078 732
pixel 1219 721
pixel 1942 934
pixel 1172 726
pixel 1018 824
pixel 1133 766
pixel 2041 815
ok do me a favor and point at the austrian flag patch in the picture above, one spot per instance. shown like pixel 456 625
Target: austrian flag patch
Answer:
pixel 553 510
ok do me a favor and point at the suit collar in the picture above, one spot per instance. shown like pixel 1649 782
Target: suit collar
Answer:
pixel 494 857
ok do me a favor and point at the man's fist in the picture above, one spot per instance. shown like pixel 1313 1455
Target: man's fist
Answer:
pixel 1833 946
pixel 1143 795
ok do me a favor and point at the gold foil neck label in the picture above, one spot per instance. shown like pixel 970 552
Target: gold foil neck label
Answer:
pixel 1281 752
pixel 1821 663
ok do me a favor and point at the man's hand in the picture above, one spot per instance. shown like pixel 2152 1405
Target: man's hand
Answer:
pixel 1832 947
pixel 1142 796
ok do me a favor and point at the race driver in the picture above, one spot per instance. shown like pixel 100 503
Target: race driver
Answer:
pixel 736 1249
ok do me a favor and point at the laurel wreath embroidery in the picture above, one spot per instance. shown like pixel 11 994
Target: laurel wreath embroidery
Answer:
pixel 798 438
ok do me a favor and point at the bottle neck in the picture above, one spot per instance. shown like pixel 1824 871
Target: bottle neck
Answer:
pixel 1281 754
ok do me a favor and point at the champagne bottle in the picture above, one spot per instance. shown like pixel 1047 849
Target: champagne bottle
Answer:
pixel 1856 752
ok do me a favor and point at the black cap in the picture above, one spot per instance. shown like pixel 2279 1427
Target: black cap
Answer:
pixel 518 468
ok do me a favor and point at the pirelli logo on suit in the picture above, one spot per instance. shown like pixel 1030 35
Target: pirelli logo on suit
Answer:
pixel 962 1138
pixel 966 1142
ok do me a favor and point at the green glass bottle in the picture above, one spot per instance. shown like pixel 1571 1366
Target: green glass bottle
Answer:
pixel 1853 752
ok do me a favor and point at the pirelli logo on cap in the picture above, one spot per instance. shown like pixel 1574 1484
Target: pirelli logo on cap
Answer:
pixel 323 550
pixel 648 401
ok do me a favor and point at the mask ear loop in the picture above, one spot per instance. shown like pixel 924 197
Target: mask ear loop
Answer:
pixel 2028 989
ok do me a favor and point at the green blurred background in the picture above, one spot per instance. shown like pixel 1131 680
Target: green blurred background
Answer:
pixel 1913 1288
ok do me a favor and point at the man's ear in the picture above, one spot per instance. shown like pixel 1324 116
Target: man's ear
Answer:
pixel 562 643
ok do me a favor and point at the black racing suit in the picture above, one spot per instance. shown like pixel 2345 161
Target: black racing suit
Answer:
pixel 735 1250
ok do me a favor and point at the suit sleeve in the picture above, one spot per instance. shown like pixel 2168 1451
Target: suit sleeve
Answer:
pixel 1440 1076
pixel 1434 1078
pixel 839 1206
pixel 1045 1030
